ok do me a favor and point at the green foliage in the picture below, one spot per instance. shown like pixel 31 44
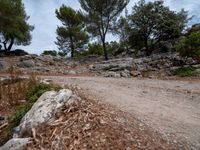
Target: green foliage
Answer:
pixel 71 36
pixel 93 49
pixel 185 71
pixel 14 28
pixel 113 47
pixel 153 22
pixel 101 17
pixel 97 49
pixel 123 30
pixel 50 52
pixel 32 96
pixel 62 54
pixel 189 46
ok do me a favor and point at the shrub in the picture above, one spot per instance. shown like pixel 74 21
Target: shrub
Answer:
pixel 93 49
pixel 50 52
pixel 62 54
pixel 185 71
pixel 189 46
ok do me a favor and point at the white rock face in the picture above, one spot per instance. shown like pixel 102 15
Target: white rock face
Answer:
pixel 16 144
pixel 43 111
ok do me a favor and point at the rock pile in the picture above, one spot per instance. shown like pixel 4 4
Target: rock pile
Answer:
pixel 157 64
pixel 114 68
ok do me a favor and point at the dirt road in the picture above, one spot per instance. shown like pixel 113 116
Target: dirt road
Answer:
pixel 170 107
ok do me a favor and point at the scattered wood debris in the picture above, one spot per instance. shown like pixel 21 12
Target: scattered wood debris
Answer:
pixel 91 125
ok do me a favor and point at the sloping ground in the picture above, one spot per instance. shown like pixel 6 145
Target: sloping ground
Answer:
pixel 171 108
pixel 92 125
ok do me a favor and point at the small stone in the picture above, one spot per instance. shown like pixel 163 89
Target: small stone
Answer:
pixel 135 73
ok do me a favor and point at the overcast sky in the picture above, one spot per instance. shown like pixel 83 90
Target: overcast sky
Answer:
pixel 42 16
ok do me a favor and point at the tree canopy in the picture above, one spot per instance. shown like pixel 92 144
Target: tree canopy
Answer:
pixel 14 28
pixel 189 46
pixel 101 16
pixel 71 37
pixel 122 29
pixel 153 22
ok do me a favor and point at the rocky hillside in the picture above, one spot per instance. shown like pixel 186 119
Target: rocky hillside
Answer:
pixel 157 65
pixel 45 64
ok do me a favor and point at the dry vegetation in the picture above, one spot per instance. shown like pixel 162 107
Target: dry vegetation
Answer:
pixel 13 91
pixel 88 124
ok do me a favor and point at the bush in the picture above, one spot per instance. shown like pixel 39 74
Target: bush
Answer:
pixel 50 52
pixel 62 54
pixel 189 46
pixel 113 47
pixel 93 49
pixel 17 52
pixel 185 71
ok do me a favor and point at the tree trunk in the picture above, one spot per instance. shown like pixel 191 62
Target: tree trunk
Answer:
pixel 10 45
pixel 72 47
pixel 148 50
pixel 127 48
pixel 105 50
pixel 5 45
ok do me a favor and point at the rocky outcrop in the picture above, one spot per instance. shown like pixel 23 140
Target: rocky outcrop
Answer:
pixel 160 63
pixel 114 64
pixel 114 68
pixel 45 64
pixel 127 67
pixel 43 111
pixel 25 64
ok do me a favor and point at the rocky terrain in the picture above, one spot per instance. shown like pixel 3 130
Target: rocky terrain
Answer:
pixel 154 66
pixel 45 64
pixel 121 112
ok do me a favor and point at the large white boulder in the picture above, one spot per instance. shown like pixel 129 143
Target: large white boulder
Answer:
pixel 43 111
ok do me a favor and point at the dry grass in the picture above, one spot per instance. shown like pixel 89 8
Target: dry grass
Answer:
pixel 12 95
pixel 13 90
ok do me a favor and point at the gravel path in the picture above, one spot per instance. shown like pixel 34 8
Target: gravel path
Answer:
pixel 170 107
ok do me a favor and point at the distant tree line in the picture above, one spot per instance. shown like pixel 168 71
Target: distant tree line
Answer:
pixel 149 24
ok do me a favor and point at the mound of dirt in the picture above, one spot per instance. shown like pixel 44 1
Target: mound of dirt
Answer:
pixel 89 124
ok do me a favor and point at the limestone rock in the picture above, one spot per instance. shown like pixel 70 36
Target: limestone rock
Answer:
pixel 125 74
pixel 16 144
pixel 43 111
pixel 1 66
pixel 120 64
pixel 26 64
pixel 72 72
pixel 135 73
pixel 112 74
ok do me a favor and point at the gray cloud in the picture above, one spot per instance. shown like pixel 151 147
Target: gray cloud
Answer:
pixel 42 16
